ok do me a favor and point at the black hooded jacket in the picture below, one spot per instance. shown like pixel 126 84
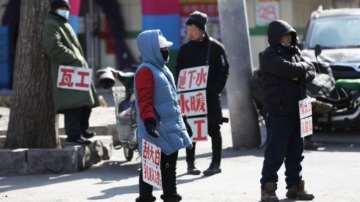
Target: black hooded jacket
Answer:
pixel 279 65
pixel 193 54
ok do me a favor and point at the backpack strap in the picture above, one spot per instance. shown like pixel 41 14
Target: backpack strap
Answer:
pixel 208 51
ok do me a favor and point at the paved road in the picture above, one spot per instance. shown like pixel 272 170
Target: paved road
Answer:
pixel 331 173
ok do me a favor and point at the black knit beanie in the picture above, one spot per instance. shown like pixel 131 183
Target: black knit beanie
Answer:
pixel 55 4
pixel 198 19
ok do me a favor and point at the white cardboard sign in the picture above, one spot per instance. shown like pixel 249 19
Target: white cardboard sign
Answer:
pixel 193 103
pixel 74 78
pixel 199 127
pixel 193 78
pixel 151 158
pixel 305 108
pixel 306 126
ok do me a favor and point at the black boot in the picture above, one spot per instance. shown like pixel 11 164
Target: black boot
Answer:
pixel 88 134
pixel 191 169
pixel 171 198
pixel 213 169
pixel 151 199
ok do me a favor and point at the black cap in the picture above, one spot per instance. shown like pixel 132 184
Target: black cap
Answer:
pixel 198 19
pixel 55 4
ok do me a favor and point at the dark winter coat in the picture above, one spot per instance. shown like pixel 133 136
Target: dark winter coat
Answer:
pixel 193 54
pixel 279 65
pixel 63 47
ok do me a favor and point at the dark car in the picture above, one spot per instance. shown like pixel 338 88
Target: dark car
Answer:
pixel 338 33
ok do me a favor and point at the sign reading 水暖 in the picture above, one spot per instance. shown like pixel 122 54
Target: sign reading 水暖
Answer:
pixel 74 78
pixel 151 156
pixel 193 103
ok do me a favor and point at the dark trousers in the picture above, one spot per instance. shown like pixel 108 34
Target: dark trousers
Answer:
pixel 216 143
pixel 284 144
pixel 76 122
pixel 168 173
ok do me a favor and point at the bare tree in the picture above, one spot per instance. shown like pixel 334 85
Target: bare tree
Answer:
pixel 32 115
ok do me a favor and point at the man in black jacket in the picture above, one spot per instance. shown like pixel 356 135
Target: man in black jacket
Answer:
pixel 192 54
pixel 284 74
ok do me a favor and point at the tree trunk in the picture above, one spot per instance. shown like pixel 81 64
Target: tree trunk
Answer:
pixel 32 114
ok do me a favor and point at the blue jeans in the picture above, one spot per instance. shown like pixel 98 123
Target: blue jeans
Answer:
pixel 284 144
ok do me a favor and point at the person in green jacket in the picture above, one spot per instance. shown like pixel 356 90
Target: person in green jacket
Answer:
pixel 61 44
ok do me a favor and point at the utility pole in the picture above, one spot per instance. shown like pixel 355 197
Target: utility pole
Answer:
pixel 235 37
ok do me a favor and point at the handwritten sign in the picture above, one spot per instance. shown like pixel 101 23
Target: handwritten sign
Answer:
pixel 199 126
pixel 151 156
pixel 305 111
pixel 74 78
pixel 306 126
pixel 305 108
pixel 193 78
pixel 193 103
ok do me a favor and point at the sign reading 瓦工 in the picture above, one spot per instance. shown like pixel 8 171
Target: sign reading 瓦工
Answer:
pixel 192 99
pixel 74 78
pixel 151 156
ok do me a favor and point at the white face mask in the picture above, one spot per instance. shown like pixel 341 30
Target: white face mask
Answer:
pixel 64 13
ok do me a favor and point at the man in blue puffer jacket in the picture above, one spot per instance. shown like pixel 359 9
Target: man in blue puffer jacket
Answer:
pixel 159 116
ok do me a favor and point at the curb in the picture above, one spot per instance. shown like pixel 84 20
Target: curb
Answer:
pixel 69 159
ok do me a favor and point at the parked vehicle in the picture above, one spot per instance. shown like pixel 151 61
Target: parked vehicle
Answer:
pixel 337 31
pixel 337 104
pixel 125 112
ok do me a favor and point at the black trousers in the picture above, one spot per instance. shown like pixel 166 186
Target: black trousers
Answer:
pixel 168 173
pixel 284 145
pixel 76 122
pixel 216 143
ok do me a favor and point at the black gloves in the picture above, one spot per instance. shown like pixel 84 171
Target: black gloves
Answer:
pixel 150 124
pixel 188 128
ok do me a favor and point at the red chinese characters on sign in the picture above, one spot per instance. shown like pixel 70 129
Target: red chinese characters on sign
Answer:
pixel 152 175
pixel 266 11
pixel 151 157
pixel 151 153
pixel 199 128
pixel 74 78
pixel 192 78
pixel 66 79
pixel 305 108
pixel 306 126
pixel 305 111
pixel 193 103
pixel 211 9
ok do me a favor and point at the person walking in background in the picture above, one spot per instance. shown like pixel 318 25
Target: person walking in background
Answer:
pixel 195 53
pixel 61 44
pixel 284 74
pixel 159 118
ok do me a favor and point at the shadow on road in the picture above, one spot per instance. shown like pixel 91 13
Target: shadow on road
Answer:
pixel 107 172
